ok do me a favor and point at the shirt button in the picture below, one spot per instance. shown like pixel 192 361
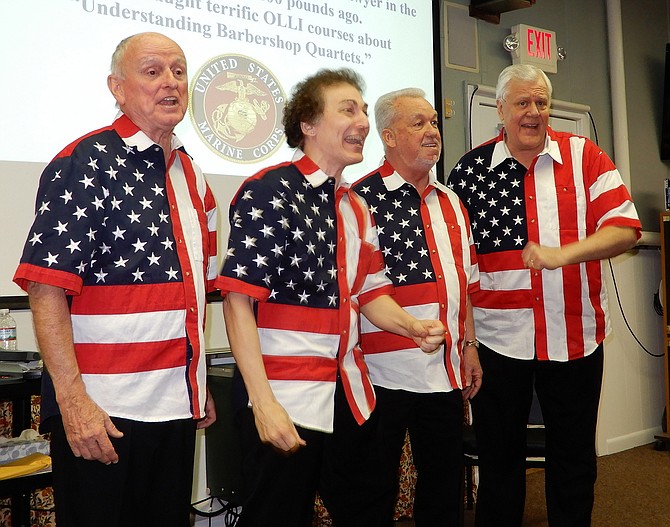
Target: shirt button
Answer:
pixel 530 197
pixel 532 220
pixel 427 225
pixel 192 310
pixel 188 273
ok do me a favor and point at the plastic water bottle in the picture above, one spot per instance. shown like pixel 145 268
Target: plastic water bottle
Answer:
pixel 7 331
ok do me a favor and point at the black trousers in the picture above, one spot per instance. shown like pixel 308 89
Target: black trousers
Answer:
pixel 149 486
pixel 435 425
pixel 569 395
pixel 278 490
pixel 360 481
pixel 356 481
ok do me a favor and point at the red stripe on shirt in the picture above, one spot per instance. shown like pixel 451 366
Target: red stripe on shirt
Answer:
pixel 192 318
pixel 537 291
pixel 232 285
pixel 383 341
pixel 26 273
pixel 416 294
pixel 138 298
pixel 489 299
pixel 282 368
pixel 130 357
pixel 361 382
pixel 297 318
pixel 500 261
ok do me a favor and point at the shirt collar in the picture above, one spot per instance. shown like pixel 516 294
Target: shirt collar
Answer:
pixel 133 136
pixel 311 171
pixel 393 181
pixel 501 152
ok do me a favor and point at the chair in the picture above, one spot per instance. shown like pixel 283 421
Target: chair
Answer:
pixel 535 448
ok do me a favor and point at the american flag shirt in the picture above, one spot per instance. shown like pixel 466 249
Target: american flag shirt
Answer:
pixel 429 256
pixel 571 190
pixel 307 250
pixel 134 244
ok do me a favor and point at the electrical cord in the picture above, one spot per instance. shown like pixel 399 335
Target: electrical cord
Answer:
pixel 658 305
pixel 595 131
pixel 616 288
pixel 623 314
pixel 216 507
pixel 472 98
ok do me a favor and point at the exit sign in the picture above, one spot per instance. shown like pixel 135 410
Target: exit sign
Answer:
pixel 536 46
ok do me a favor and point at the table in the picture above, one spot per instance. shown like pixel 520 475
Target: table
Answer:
pixel 19 391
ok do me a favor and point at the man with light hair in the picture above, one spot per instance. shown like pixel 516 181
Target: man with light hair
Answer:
pixel 119 259
pixel 424 235
pixel 545 208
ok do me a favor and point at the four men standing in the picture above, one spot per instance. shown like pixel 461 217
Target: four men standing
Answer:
pixel 307 256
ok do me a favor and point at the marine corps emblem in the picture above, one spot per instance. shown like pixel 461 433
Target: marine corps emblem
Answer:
pixel 236 106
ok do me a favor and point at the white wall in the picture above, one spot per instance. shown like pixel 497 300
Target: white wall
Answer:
pixel 633 386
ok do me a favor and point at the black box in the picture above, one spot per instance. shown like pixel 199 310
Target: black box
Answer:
pixel 222 440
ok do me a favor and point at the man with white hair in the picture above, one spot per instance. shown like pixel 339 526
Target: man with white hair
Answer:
pixel 545 207
pixel 117 264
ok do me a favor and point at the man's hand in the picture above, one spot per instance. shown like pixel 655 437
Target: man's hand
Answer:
pixel 88 429
pixel 210 412
pixel 276 428
pixel 86 425
pixel 427 334
pixel 538 257
pixel 606 242
pixel 473 372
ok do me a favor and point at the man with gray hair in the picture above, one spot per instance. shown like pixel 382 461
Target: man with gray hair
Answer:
pixel 425 238
pixel 120 256
pixel 546 207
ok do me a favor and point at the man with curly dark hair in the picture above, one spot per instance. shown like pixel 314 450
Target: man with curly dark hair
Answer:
pixel 303 261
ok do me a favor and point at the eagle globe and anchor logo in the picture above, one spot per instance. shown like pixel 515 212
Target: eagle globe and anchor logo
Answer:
pixel 236 106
